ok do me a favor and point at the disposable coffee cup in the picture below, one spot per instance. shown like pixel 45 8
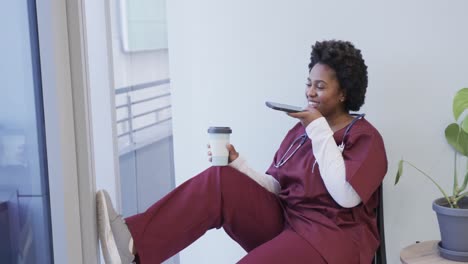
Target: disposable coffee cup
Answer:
pixel 218 139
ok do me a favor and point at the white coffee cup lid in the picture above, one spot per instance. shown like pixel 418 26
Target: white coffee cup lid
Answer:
pixel 219 130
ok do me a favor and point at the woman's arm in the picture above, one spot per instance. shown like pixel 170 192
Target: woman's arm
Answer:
pixel 331 163
pixel 265 180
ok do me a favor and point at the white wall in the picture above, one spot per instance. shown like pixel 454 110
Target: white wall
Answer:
pixel 228 57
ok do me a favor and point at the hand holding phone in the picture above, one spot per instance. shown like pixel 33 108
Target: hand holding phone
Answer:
pixel 284 107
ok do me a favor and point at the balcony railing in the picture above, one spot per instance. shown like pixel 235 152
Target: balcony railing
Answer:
pixel 143 114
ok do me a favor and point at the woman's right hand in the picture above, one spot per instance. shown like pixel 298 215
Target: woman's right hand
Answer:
pixel 233 154
pixel 307 116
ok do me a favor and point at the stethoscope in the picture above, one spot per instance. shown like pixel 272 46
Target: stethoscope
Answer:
pixel 302 139
pixel 356 118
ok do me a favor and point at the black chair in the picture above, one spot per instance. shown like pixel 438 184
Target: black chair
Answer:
pixel 380 255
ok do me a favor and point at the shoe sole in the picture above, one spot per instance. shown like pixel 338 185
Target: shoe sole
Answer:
pixel 108 244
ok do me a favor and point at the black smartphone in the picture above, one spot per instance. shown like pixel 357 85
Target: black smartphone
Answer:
pixel 284 107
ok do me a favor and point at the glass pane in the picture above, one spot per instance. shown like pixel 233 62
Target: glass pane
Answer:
pixel 144 25
pixel 143 103
pixel 143 112
pixel 25 235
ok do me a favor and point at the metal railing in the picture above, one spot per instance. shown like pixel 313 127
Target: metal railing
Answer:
pixel 151 111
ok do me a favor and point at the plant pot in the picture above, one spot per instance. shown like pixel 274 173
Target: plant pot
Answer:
pixel 453 225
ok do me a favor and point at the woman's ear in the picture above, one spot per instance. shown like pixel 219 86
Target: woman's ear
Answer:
pixel 342 96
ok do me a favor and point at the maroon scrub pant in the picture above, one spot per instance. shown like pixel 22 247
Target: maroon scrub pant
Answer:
pixel 219 197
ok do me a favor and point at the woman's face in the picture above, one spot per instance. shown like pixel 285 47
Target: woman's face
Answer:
pixel 323 91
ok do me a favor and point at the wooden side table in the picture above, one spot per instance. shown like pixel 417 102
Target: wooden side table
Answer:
pixel 424 252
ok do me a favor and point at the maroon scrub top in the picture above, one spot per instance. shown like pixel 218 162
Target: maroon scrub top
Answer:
pixel 341 235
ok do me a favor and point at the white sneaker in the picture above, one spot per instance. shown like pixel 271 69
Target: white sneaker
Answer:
pixel 113 232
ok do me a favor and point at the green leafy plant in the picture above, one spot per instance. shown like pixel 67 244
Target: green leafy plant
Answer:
pixel 457 136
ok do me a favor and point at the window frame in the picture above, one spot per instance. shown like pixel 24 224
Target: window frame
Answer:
pixel 82 154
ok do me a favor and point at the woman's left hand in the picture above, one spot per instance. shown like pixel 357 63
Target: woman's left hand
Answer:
pixel 307 116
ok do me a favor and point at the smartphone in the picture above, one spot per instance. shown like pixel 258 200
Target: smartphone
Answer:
pixel 284 107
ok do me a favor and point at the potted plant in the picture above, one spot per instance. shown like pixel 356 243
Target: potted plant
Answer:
pixel 452 208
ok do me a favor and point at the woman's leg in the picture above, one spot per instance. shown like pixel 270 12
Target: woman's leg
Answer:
pixel 287 247
pixel 217 197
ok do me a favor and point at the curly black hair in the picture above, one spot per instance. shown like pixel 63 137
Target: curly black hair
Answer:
pixel 350 68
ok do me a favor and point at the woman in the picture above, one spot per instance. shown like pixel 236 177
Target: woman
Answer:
pixel 315 204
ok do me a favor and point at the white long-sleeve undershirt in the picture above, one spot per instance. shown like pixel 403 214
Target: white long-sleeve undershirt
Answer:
pixel 265 180
pixel 331 163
